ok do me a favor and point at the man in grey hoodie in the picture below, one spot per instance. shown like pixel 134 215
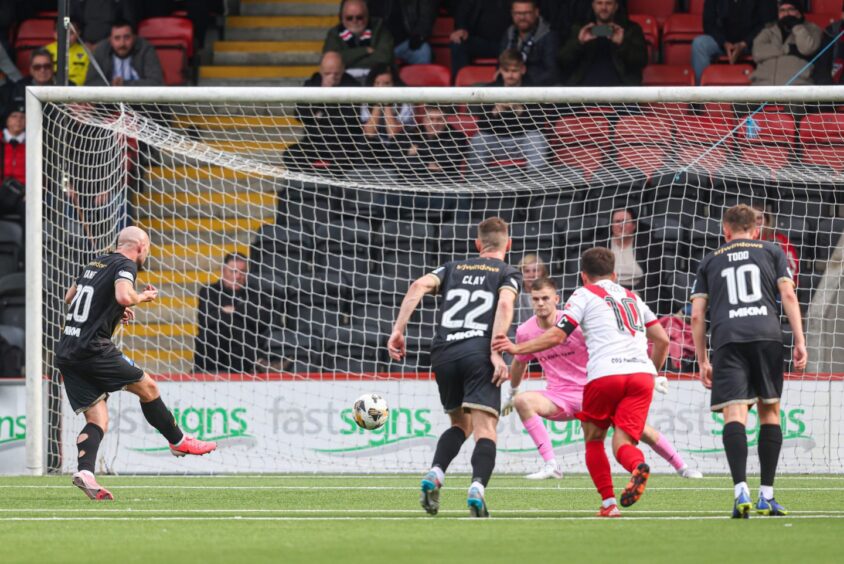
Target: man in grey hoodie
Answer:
pixel 125 59
pixel 531 36
pixel 782 49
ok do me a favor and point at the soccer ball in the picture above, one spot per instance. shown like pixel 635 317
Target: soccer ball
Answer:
pixel 371 411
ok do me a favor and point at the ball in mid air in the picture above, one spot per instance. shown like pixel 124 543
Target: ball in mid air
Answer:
pixel 371 411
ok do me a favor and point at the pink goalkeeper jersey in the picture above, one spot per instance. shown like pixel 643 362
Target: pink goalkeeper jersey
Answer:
pixel 564 365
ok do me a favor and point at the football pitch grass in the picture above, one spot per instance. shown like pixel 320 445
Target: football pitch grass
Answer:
pixel 318 518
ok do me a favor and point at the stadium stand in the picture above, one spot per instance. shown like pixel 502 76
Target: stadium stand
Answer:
pixel 727 75
pixel 668 75
pixel 425 75
pixel 472 75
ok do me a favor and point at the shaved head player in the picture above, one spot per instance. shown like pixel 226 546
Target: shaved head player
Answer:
pixel 92 366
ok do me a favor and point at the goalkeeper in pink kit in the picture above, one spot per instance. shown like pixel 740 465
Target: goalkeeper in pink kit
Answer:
pixel 564 367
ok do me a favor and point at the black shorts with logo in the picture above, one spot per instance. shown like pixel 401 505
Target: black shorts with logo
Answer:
pixel 466 383
pixel 88 381
pixel 747 373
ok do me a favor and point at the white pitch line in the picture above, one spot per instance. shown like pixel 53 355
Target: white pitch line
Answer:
pixel 393 488
pixel 780 479
pixel 628 519
pixel 369 511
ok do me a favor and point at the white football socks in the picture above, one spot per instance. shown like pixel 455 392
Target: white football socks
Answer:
pixel 609 502
pixel 479 486
pixel 766 492
pixel 440 474
pixel 741 487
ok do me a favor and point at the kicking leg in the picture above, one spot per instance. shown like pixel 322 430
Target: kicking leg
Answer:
pixel 663 447
pixel 633 460
pixel 447 449
pixel 157 415
pixel 735 447
pixel 88 443
pixel 532 407
pixel 770 443
pixel 483 459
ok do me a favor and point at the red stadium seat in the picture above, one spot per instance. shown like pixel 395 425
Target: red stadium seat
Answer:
pixel 173 65
pixel 826 6
pixel 474 74
pixel 677 36
pixel 36 31
pixel 668 75
pixel 464 122
pixel 168 31
pixel 485 61
pixel 822 20
pixel 703 141
pixel 443 26
pixel 771 143
pixel 643 143
pixel 726 75
pixel 822 137
pixel 660 9
pixel 651 31
pixel 580 142
pixel 441 51
pixel 425 75
pixel 696 7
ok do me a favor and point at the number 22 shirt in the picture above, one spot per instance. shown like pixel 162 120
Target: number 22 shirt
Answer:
pixel 613 320
pixel 469 299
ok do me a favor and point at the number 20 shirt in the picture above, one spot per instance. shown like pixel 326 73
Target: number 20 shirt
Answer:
pixel 740 279
pixel 469 290
pixel 94 312
pixel 613 320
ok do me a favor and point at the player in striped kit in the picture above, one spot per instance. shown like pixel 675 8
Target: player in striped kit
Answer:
pixel 564 367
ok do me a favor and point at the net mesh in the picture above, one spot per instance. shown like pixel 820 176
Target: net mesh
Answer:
pixel 339 206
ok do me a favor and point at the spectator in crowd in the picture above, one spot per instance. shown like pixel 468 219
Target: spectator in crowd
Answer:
pixel 434 147
pixel 561 16
pixel 125 59
pixel 230 321
pixel 729 27
pixel 361 41
pixel 681 345
pixel 40 74
pixel 829 68
pixel 768 232
pixel 531 36
pixel 634 267
pixel 77 57
pixel 99 16
pixel 509 132
pixel 383 124
pixel 609 50
pixel 410 22
pixel 479 26
pixel 533 268
pixel 13 162
pixel 782 49
pixel 330 129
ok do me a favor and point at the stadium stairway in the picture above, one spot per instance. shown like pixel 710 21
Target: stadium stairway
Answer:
pixel 195 215
pixel 271 43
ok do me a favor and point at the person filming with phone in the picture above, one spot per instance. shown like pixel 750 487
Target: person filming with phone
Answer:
pixel 609 50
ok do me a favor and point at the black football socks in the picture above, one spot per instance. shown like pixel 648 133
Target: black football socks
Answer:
pixel 88 443
pixel 448 447
pixel 735 445
pixel 159 416
pixel 483 461
pixel 770 443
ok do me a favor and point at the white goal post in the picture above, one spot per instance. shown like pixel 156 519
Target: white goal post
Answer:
pixel 157 142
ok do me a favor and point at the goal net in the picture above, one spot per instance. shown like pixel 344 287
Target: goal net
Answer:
pixel 341 197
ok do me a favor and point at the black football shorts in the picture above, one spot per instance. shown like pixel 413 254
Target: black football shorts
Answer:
pixel 88 381
pixel 747 373
pixel 466 383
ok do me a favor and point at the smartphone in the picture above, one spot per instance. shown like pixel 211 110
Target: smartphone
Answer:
pixel 602 31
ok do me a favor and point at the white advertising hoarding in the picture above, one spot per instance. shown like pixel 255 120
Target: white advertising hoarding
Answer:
pixel 12 426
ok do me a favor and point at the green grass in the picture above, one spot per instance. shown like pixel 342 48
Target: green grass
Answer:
pixel 377 518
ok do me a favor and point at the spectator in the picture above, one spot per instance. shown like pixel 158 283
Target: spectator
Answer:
pixel 729 27
pixel 125 59
pixel 610 50
pixel 634 267
pixel 782 49
pixel 361 41
pixel 229 321
pixel 330 129
pixel 510 133
pixel 13 162
pixel 479 27
pixel 829 68
pixel 681 346
pixel 410 22
pixel 561 16
pixel 768 232
pixel 533 268
pixel 434 147
pixel 99 16
pixel 40 74
pixel 383 124
pixel 531 36
pixel 77 57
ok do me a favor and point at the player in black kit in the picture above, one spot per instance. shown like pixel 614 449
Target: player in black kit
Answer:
pixel 478 297
pixel 739 282
pixel 92 367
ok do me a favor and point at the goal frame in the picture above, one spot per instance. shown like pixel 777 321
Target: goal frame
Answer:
pixel 36 97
